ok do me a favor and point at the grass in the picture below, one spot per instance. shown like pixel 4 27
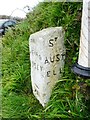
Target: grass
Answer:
pixel 70 97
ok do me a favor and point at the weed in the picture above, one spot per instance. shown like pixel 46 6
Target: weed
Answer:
pixel 67 100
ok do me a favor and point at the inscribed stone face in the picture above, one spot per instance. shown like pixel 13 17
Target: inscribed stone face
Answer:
pixel 47 54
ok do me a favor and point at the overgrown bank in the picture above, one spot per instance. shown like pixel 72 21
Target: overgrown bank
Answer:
pixel 70 98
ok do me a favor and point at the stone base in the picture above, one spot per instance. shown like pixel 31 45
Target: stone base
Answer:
pixel 81 71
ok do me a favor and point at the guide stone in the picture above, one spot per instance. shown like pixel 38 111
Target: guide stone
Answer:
pixel 47 54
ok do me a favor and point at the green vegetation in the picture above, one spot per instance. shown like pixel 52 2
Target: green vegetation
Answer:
pixel 70 97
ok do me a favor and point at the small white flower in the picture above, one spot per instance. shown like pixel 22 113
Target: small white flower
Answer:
pixel 69 111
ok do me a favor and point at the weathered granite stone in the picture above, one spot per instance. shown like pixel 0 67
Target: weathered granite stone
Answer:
pixel 47 54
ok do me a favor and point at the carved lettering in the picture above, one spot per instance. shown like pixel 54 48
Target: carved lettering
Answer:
pixel 63 56
pixel 60 70
pixel 51 42
pixel 51 73
pixel 41 68
pixel 58 57
pixel 48 74
pixel 46 60
pixel 36 66
pixel 40 57
pixel 56 38
pixel 46 54
pixel 36 91
pixel 54 72
pixel 52 59
pixel 32 40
